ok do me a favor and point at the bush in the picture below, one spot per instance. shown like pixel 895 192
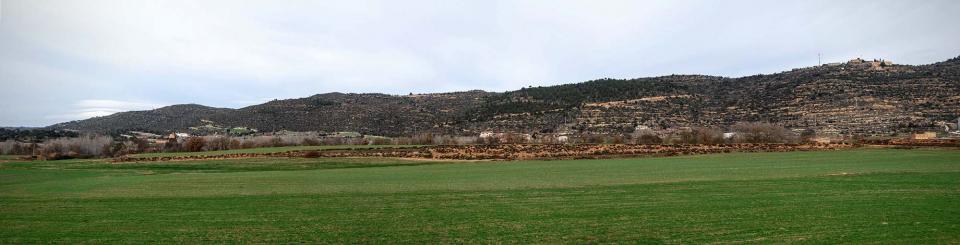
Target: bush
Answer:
pixel 593 139
pixel 648 139
pixel 247 144
pixel 379 141
pixel 333 141
pixel 761 133
pixel 171 146
pixel 310 141
pixel 276 142
pixel 706 136
pixel 216 143
pixel 194 144
pixel 423 139
pixel 116 149
pixel 615 139
pixel 139 145
pixel 11 147
pixel 79 147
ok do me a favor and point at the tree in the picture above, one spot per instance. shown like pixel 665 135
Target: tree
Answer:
pixel 142 144
pixel 171 146
pixel 276 142
pixel 310 141
pixel 807 134
pixel 112 150
pixel 761 133
pixel 707 136
pixel 194 144
pixel 217 143
pixel 646 137
pixel 235 144
pixel 16 149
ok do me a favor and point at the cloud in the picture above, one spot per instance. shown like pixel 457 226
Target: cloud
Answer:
pixel 226 53
pixel 100 107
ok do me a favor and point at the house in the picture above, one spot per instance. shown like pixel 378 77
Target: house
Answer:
pixel 178 137
pixel 729 135
pixel 924 136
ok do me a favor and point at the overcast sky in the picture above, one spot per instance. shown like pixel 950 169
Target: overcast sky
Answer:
pixel 67 60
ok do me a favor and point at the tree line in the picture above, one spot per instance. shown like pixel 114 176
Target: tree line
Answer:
pixel 89 146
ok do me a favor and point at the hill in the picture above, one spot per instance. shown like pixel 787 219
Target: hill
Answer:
pixel 855 97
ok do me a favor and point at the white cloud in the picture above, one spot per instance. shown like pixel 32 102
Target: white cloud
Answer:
pixel 222 53
pixel 101 107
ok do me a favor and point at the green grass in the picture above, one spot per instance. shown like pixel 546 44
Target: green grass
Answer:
pixel 267 150
pixel 9 157
pixel 217 165
pixel 856 196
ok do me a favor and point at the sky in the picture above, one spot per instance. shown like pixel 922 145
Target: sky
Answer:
pixel 67 60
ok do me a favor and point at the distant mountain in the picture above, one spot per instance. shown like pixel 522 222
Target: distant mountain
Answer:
pixel 859 96
pixel 19 128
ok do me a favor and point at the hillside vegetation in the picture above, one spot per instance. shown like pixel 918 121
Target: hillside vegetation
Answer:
pixel 857 97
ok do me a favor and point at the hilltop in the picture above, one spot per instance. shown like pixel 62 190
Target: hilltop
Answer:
pixel 854 97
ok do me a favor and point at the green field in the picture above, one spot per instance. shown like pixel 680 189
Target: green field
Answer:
pixel 9 157
pixel 268 150
pixel 854 196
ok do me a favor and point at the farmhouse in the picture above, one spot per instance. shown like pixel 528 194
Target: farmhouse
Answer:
pixel 924 136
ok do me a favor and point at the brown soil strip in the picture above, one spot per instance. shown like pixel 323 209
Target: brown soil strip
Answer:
pixel 517 152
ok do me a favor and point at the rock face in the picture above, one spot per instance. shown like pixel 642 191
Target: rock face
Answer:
pixel 856 97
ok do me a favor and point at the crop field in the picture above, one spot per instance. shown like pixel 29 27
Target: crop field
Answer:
pixel 849 196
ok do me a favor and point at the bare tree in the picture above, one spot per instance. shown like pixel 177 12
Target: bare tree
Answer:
pixel 194 144
pixel 646 137
pixel 761 133
pixel 216 143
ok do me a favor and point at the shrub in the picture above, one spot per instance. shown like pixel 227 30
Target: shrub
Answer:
pixel 83 146
pixel 423 139
pixel 761 133
pixel 116 149
pixel 707 136
pixel 216 143
pixel 310 141
pixel 194 144
pixel 379 141
pixel 276 142
pixel 648 139
pixel 311 154
pixel 593 139
pixel 615 139
pixel 171 146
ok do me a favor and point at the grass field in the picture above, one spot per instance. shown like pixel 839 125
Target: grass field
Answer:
pixel 854 196
pixel 268 150
pixel 9 157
